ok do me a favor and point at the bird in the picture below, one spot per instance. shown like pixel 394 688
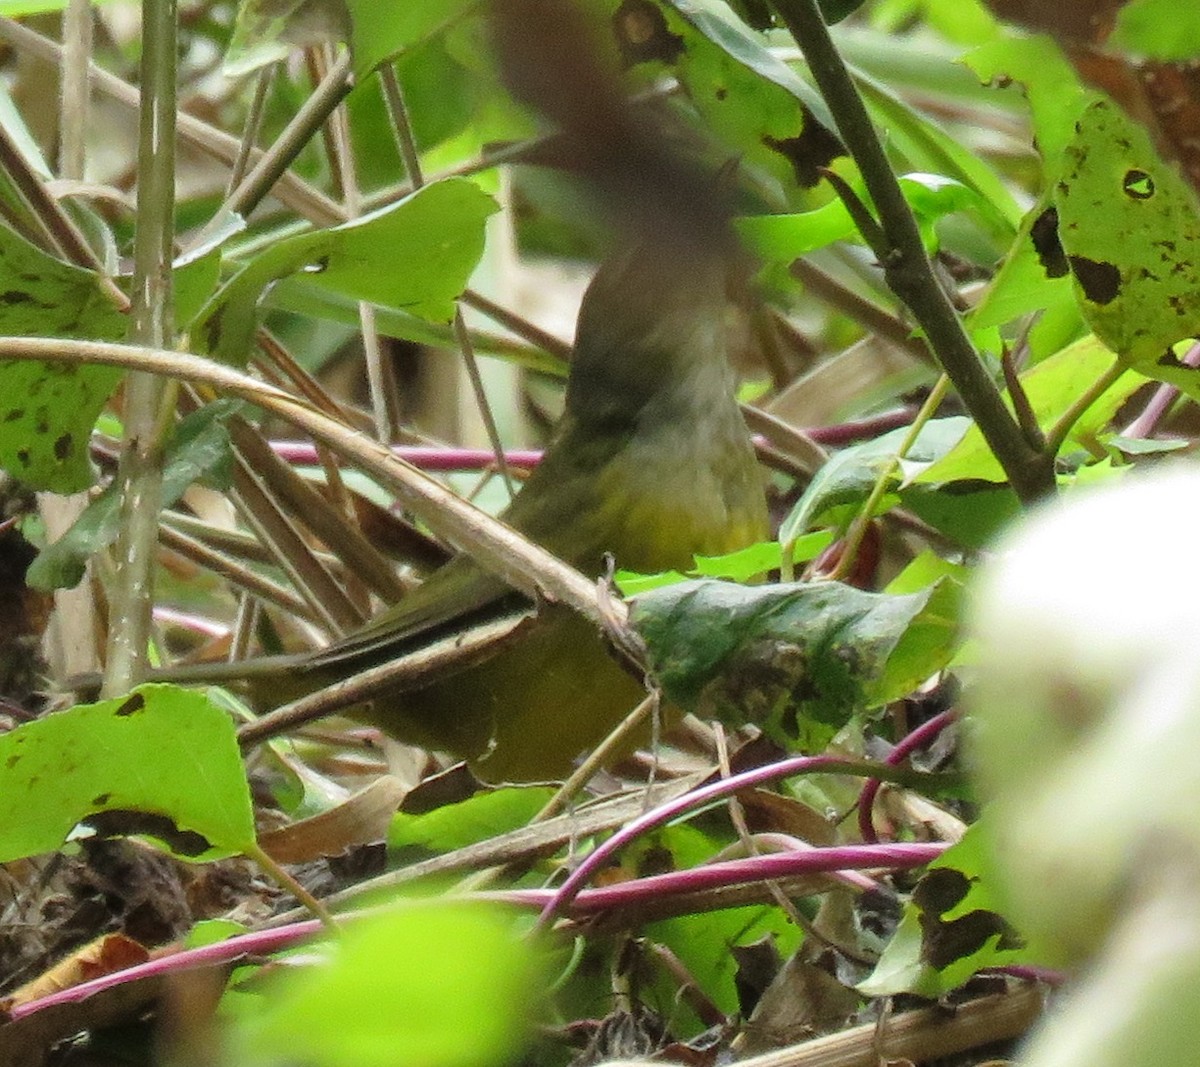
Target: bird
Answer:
pixel 650 465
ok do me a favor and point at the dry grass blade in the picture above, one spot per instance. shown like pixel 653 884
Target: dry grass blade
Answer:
pixel 312 508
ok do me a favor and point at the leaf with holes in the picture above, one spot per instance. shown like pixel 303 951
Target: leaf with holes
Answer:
pixel 1130 228
pixel 745 93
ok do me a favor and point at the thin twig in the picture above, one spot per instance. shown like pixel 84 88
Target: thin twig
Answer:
pixel 519 325
pixel 393 96
pixel 862 521
pixel 1058 432
pixel 316 583
pixel 499 549
pixel 317 513
pixel 380 373
pixel 1026 416
pixel 56 229
pixel 274 162
pixel 253 127
pixel 232 571
pixel 933 1033
pixel 870 316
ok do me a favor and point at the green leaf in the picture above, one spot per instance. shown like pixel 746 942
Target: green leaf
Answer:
pixel 1141 446
pixel 61 565
pixel 950 928
pixel 1130 228
pixel 380 31
pixel 1050 82
pixel 439 982
pixel 762 558
pixel 486 814
pixel 296 294
pixel 783 238
pixel 849 475
pixel 745 94
pixel 740 566
pixel 632 584
pixel 415 255
pixel 1022 285
pixel 1157 29
pixel 798 660
pixel 46 420
pixel 702 942
pixel 1051 387
pixel 266 31
pixel 162 762
pixel 962 21
pixel 929 148
pixel 195 279
pixel 971 513
pixel 717 22
pixel 212 932
pixel 47 410
pixel 929 643
pixel 198 449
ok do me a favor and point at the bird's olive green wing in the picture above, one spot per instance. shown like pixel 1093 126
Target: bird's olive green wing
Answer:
pixel 456 594
pixel 553 508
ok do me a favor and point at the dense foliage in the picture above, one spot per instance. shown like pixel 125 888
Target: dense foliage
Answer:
pixel 974 235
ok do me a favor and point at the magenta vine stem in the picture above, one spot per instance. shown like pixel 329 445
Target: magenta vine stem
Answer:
pixel 918 738
pixel 455 459
pixel 772 867
pixel 587 902
pixel 260 942
pixel 433 458
pixel 697 798
pixel 1146 423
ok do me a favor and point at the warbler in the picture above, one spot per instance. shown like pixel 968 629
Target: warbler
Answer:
pixel 650 464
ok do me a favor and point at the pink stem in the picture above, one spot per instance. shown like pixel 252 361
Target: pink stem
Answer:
pixel 919 738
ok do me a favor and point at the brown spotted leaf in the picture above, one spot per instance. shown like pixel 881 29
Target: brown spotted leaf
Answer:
pixel 47 409
pixel 1130 228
